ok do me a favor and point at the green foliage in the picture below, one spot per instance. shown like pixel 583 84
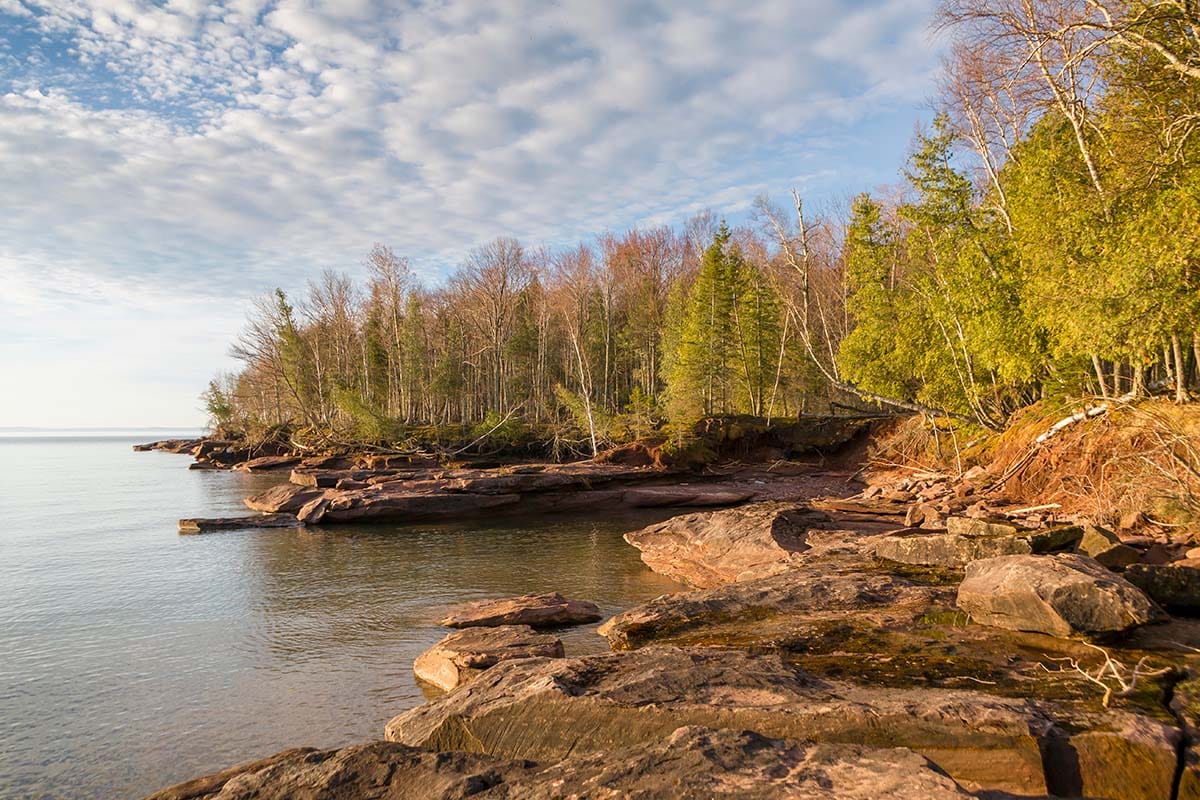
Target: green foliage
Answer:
pixel 935 292
pixel 368 424
pixel 218 405
pixel 499 430
pixel 727 339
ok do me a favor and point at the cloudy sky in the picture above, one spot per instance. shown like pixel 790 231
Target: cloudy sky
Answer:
pixel 161 163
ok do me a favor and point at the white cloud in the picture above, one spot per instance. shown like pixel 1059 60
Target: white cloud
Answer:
pixel 216 149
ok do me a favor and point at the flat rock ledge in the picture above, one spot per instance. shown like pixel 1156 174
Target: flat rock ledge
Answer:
pixel 555 709
pixel 463 655
pixel 690 763
pixel 1063 595
pixel 345 495
pixel 811 593
pixel 201 525
pixel 709 549
pixel 550 610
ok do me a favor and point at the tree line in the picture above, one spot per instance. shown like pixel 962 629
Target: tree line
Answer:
pixel 1044 241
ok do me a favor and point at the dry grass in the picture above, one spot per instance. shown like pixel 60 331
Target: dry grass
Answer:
pixel 1141 457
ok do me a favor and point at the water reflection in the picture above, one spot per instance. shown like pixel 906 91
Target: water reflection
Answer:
pixel 135 657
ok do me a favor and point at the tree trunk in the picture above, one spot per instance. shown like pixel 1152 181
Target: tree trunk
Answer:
pixel 1100 375
pixel 1181 393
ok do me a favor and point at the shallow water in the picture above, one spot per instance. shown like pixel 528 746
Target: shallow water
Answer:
pixel 132 657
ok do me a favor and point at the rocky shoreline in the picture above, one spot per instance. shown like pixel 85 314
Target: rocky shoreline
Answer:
pixel 925 637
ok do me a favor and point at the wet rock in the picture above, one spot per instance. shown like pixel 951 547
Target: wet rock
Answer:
pixel 1106 547
pixel 1063 595
pixel 809 593
pixel 1172 585
pixel 709 549
pixel 536 610
pixel 287 497
pixel 461 656
pixel 200 525
pixel 552 708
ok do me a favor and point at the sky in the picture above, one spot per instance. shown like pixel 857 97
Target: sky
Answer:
pixel 163 163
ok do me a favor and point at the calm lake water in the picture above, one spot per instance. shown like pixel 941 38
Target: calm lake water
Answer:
pixel 132 657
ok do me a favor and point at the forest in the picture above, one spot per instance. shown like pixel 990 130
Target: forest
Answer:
pixel 1043 242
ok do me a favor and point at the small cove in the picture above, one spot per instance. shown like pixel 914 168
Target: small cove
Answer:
pixel 132 657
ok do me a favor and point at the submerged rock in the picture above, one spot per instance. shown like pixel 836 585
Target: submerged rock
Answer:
pixel 550 610
pixel 461 656
pixel 1064 595
pixel 550 709
pixel 709 549
pixel 692 763
pixel 200 525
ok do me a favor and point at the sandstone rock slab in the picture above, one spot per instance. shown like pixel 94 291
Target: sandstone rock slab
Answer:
pixel 1063 595
pixel 963 543
pixel 202 525
pixel 287 497
pixel 550 610
pixel 549 709
pixel 372 770
pixel 692 763
pixel 461 656
pixel 697 763
pixel 708 549
pixel 809 593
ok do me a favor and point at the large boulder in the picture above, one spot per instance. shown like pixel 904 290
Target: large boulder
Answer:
pixel 692 763
pixel 1175 586
pixel 967 540
pixel 550 709
pixel 1063 595
pixel 712 548
pixel 550 610
pixel 462 655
